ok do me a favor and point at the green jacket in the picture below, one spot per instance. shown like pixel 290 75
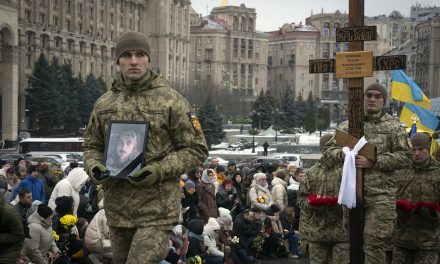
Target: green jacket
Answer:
pixel 323 224
pixel 412 230
pixel 11 232
pixel 173 143
pixel 393 153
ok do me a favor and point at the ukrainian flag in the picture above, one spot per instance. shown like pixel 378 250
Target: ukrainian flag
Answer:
pixel 406 90
pixel 434 147
pixel 425 120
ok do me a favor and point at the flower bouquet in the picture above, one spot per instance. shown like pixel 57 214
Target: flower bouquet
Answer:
pixel 261 198
pixel 319 200
pixel 194 260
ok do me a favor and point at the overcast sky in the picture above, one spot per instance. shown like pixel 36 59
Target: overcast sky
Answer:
pixel 272 14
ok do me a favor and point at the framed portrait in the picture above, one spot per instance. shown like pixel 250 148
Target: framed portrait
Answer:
pixel 125 147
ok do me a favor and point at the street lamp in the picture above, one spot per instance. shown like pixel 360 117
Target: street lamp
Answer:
pixel 253 132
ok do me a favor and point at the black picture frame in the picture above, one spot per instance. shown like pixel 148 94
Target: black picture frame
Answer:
pixel 125 148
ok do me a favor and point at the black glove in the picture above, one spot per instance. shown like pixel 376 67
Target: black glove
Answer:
pixel 99 173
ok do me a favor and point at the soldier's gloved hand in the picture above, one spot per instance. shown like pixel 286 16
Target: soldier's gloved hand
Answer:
pixel 99 173
pixel 428 214
pixel 146 176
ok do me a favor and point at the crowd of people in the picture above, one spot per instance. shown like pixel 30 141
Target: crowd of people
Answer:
pixel 51 216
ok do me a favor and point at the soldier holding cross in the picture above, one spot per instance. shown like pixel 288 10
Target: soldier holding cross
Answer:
pixel 383 131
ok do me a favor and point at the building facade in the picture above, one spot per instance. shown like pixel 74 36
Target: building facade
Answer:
pixel 428 56
pixel 227 51
pixel 83 33
pixel 419 12
pixel 290 49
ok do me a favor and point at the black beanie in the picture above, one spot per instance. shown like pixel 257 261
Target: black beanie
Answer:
pixel 196 226
pixel 421 140
pixel 44 211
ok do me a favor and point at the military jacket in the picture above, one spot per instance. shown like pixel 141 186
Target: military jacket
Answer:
pixel 412 230
pixel 393 153
pixel 323 224
pixel 174 142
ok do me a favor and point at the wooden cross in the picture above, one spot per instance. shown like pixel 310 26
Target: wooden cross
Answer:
pixel 355 65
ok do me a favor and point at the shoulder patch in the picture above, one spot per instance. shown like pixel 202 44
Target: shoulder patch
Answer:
pixel 195 123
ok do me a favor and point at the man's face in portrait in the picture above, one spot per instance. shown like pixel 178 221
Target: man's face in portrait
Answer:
pixel 420 155
pixel 125 148
pixel 373 102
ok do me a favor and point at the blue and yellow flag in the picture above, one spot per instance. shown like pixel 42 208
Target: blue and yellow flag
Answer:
pixel 434 147
pixel 413 129
pixel 424 119
pixel 406 90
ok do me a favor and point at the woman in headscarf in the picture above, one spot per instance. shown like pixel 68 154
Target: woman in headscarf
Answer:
pixel 206 192
pixel 259 193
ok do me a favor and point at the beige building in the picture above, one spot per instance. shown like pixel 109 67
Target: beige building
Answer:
pixel 290 49
pixel 228 52
pixel 83 32
pixel 428 56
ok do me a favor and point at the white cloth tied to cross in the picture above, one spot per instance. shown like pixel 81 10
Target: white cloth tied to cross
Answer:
pixel 347 191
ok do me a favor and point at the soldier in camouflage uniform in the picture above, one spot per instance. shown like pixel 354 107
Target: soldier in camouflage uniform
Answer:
pixel 393 152
pixel 327 222
pixel 416 236
pixel 142 209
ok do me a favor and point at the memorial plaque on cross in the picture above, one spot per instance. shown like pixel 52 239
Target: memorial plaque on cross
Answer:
pixel 354 65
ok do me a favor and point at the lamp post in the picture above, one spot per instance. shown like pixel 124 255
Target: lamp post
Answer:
pixel 253 132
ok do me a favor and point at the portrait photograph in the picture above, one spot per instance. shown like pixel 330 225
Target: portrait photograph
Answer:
pixel 125 147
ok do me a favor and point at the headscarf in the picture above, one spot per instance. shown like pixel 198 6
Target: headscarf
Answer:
pixel 205 177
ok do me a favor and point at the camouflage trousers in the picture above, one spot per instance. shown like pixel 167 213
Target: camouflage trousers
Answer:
pixel 414 256
pixel 326 253
pixel 378 228
pixel 146 245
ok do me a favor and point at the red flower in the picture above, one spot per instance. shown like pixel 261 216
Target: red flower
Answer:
pixel 315 200
pixel 331 201
pixel 432 206
pixel 404 205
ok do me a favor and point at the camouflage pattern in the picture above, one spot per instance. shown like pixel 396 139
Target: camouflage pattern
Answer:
pixel 147 245
pixel 336 253
pixel 414 231
pixel 325 224
pixel 393 154
pixel 173 143
pixel 304 227
pixel 408 256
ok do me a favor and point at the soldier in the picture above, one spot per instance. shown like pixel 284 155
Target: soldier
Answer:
pixel 146 204
pixel 326 221
pixel 417 231
pixel 390 139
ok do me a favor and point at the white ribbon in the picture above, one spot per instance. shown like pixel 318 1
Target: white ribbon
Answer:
pixel 347 191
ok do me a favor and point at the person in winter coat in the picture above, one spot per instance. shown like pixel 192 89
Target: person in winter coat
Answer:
pixel 259 193
pixel 227 197
pixel 279 192
pixel 40 248
pixel 196 245
pixel 246 230
pixel 97 239
pixel 70 186
pixel 11 233
pixel 189 202
pixel 7 195
pixel 206 193
pixel 210 234
pixel 34 184
pixel 237 182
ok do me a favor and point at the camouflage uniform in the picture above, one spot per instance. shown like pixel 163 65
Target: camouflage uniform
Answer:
pixel 416 236
pixel 385 133
pixel 327 226
pixel 173 143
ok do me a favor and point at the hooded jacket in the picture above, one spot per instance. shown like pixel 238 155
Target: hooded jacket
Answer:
pixel 174 143
pixel 41 241
pixel 36 186
pixel 209 238
pixel 279 193
pixel 257 191
pixel 69 186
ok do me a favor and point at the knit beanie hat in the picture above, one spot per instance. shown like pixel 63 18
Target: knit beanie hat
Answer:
pixel 44 211
pixel 189 185
pixel 212 224
pixel 324 139
pixel 281 173
pixel 132 41
pixel 380 88
pixel 421 140
pixel 196 226
pixel 225 215
pixel 290 165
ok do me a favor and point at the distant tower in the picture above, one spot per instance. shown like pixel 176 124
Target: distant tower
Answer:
pixel 224 3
